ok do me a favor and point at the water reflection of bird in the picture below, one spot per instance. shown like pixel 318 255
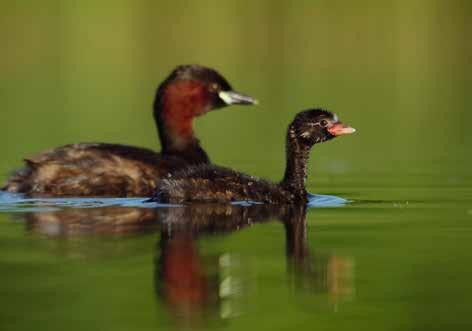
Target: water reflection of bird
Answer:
pixel 190 283
pixel 216 184
pixel 316 273
pixel 97 169
pixel 195 285
pixel 115 220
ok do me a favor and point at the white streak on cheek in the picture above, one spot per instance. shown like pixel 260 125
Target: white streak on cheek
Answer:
pixel 305 134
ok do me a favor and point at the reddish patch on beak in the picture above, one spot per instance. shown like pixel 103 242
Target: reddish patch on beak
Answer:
pixel 338 129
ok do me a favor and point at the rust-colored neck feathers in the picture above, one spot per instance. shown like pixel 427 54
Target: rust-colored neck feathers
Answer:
pixel 183 101
pixel 177 105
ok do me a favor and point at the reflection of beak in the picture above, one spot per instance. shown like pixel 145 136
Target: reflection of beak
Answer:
pixel 338 129
pixel 235 98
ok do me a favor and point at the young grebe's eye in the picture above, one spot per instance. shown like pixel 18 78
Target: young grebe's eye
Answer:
pixel 214 87
pixel 324 123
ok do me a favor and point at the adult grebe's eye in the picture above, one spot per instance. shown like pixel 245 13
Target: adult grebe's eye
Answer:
pixel 324 123
pixel 214 87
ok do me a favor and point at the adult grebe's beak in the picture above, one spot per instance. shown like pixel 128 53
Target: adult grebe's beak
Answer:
pixel 236 98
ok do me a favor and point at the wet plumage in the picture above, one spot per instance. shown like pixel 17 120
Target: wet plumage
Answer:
pixel 218 184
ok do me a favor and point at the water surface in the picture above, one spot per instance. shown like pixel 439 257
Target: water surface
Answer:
pixel 380 264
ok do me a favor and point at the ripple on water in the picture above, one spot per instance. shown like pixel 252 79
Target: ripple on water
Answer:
pixel 12 203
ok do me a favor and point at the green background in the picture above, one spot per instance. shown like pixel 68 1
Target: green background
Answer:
pixel 397 71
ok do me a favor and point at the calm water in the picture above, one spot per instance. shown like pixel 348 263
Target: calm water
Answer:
pixel 383 264
pixel 392 253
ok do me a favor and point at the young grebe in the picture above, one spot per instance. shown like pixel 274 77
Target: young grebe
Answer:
pixel 96 169
pixel 216 184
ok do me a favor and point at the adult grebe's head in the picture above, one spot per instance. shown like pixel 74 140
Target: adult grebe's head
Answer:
pixel 317 125
pixel 190 91
pixel 200 86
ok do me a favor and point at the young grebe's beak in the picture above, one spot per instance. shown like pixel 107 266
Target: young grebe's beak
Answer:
pixel 338 129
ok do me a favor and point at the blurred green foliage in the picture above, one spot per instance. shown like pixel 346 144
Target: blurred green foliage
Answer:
pixel 398 71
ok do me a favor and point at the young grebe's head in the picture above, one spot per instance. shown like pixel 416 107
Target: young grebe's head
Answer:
pixel 199 89
pixel 317 125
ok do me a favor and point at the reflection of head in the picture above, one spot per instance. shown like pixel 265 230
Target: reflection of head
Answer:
pixel 185 281
pixel 320 273
pixel 190 284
